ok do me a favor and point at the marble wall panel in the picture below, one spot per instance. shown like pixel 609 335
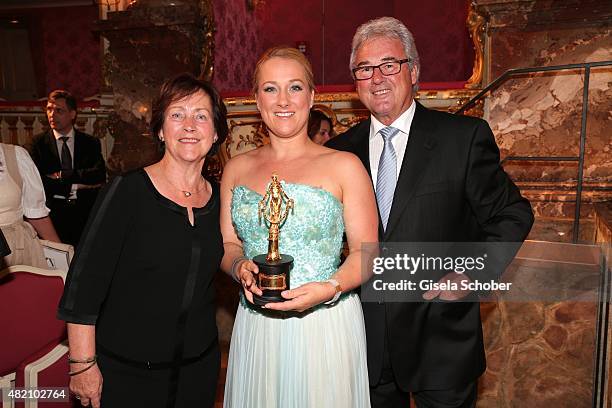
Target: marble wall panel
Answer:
pixel 541 114
pixel 538 354
pixel 543 354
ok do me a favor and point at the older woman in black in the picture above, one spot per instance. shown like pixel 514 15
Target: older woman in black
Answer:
pixel 139 298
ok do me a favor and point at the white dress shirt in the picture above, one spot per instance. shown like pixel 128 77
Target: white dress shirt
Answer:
pixel 32 191
pixel 400 141
pixel 60 144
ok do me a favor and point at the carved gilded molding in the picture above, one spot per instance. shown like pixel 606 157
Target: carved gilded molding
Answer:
pixel 247 131
pixel 244 135
pixel 334 97
pixel 255 138
pixel 243 114
pixel 237 103
pixel 558 14
pixel 319 98
pixel 342 119
pixel 476 26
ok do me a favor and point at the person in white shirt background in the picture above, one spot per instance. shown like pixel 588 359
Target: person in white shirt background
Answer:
pixel 23 214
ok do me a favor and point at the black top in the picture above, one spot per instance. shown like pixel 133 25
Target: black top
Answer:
pixel 144 275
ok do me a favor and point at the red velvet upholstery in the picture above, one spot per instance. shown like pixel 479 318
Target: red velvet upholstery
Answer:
pixel 55 375
pixel 28 303
pixel 33 346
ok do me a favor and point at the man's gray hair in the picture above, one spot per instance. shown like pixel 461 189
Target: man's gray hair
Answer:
pixel 391 28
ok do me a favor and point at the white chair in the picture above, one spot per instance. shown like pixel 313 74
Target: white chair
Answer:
pixel 58 255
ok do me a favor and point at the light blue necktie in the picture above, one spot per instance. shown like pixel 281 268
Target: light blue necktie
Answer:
pixel 387 175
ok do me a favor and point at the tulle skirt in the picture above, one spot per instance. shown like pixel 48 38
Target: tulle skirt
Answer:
pixel 316 359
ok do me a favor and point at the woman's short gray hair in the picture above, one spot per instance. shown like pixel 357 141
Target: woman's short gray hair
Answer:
pixel 391 28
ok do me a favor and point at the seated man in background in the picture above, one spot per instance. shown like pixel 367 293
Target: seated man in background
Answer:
pixel 71 165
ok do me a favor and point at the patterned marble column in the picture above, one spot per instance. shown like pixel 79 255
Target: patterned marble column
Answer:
pixel 150 42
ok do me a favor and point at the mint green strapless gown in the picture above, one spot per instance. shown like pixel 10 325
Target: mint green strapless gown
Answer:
pixel 313 359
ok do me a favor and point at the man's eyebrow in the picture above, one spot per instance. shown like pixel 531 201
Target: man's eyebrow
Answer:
pixel 362 63
pixel 384 59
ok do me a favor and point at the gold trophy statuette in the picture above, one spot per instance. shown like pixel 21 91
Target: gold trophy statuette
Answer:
pixel 274 267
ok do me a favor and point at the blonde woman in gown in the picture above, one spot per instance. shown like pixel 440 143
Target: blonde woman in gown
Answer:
pixel 310 350
pixel 23 214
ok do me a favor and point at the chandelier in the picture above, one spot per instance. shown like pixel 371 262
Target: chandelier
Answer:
pixel 111 5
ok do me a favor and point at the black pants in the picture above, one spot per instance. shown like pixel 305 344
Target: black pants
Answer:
pixel 387 394
pixel 125 386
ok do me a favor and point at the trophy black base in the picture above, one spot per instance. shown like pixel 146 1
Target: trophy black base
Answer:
pixel 273 278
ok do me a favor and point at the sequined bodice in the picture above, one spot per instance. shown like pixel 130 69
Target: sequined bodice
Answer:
pixel 312 234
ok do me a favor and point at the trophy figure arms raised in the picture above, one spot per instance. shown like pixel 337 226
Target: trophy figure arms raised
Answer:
pixel 274 267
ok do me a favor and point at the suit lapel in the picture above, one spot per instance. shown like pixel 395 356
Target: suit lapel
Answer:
pixel 421 144
pixel 362 145
pixel 77 149
pixel 52 144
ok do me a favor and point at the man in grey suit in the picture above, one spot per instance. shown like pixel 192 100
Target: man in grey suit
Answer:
pixel 437 179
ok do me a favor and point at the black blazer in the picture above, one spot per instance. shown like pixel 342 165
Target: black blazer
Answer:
pixel 451 188
pixel 89 166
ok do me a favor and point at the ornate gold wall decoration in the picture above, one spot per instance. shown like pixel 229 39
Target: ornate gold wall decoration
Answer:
pixel 342 119
pixel 244 135
pixel 326 110
pixel 334 97
pixel 476 25
pixel 351 120
pixel 247 131
pixel 477 110
pixel 111 5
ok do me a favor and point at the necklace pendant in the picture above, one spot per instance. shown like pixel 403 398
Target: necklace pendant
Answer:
pixel 186 193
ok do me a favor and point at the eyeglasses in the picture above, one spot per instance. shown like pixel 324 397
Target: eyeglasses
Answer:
pixel 386 68
pixel 199 117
